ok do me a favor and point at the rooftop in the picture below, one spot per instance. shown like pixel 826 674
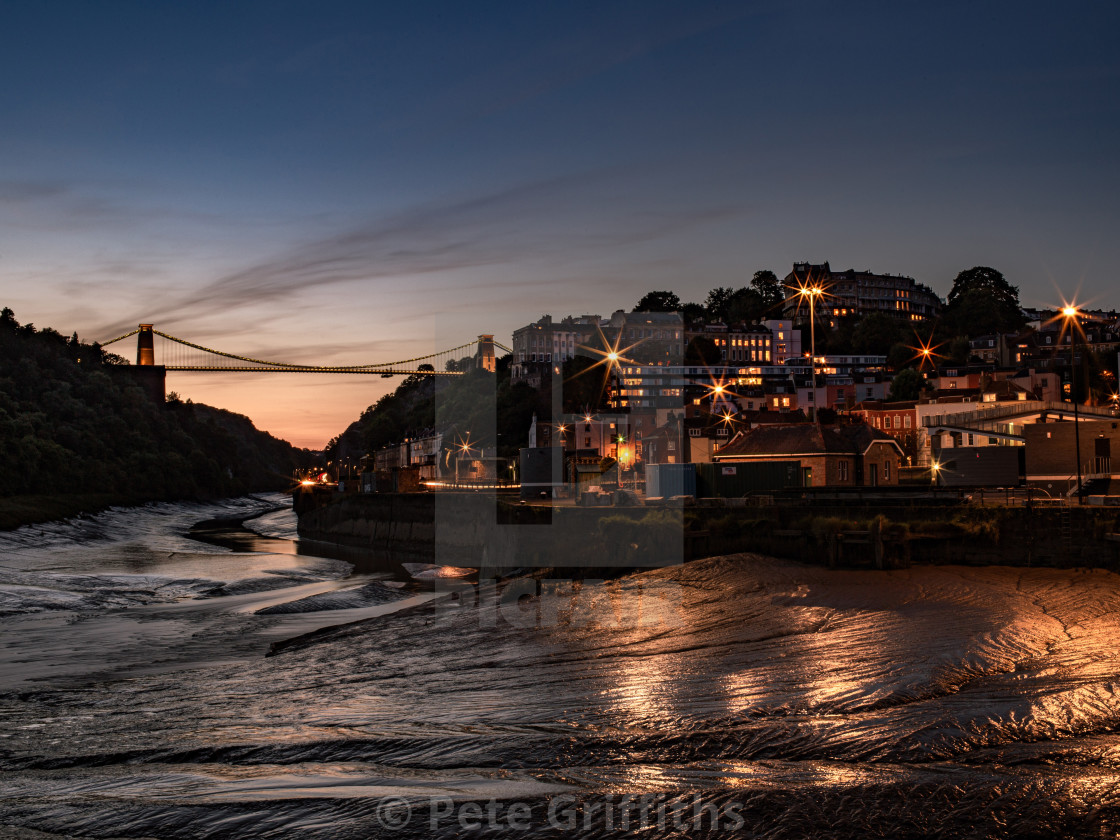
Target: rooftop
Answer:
pixel 805 439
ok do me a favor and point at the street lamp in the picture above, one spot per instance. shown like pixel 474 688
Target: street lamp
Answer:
pixel 812 293
pixel 1070 313
pixel 926 351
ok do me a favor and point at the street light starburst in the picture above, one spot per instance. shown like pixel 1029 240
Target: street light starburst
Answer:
pixel 1068 318
pixel 810 291
pixel 718 389
pixel 925 351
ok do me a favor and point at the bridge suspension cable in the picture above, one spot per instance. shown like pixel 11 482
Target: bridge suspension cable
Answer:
pixel 174 359
pixel 120 337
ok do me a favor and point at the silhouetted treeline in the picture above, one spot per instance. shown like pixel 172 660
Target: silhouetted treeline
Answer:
pixel 483 408
pixel 72 421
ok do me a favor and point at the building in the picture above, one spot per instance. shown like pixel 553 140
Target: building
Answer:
pixel 785 341
pixel 538 346
pixel 1001 350
pixel 738 344
pixel 859 293
pixel 1051 453
pixel 598 436
pixel 842 381
pixel 421 454
pixel 844 455
pixel 909 422
pixel 1049 346
pixel 648 338
pixel 899 420
pixel 770 343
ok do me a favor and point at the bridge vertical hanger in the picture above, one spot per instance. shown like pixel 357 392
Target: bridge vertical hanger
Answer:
pixel 145 346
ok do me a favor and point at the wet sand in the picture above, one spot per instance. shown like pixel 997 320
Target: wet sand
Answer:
pixel 779 699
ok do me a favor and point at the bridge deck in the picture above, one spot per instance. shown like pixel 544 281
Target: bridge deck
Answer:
pixel 374 372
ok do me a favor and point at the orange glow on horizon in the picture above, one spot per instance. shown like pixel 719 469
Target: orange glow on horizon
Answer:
pixel 307 410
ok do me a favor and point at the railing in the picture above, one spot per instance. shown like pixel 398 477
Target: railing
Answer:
pixel 1091 470
pixel 1017 496
pixel 999 411
pixel 471 484
pixel 1100 467
pixel 995 413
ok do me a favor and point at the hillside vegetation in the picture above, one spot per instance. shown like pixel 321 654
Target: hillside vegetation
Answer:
pixel 482 407
pixel 73 423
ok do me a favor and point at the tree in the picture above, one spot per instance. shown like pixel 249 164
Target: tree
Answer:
pixel 876 333
pixel 717 301
pixel 839 340
pixel 982 302
pixel 419 376
pixel 907 385
pixel 702 351
pixel 693 313
pixel 731 306
pixel 959 349
pixel 585 385
pixel 769 287
pixel 659 302
pixel 745 305
pixel 899 356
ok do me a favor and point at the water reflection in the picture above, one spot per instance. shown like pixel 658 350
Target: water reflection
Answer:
pixel 938 701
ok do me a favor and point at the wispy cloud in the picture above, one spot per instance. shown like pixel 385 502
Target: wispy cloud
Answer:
pixel 558 220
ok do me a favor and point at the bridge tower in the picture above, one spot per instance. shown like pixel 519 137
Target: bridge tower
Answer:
pixel 146 373
pixel 484 356
pixel 145 346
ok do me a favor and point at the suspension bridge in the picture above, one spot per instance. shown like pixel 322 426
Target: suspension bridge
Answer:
pixel 179 354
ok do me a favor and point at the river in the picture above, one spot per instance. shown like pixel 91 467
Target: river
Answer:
pixel 738 696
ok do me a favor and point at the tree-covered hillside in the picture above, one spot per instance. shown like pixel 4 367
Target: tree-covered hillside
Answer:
pixel 476 406
pixel 71 422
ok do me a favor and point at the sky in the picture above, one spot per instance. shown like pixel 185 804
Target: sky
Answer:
pixel 349 183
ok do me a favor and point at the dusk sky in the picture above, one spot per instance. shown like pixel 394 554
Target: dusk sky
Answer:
pixel 345 183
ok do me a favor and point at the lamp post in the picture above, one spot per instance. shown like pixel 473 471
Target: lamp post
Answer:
pixel 717 394
pixel 812 293
pixel 1070 313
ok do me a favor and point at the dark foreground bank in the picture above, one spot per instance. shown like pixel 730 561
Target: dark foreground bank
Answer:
pixel 731 696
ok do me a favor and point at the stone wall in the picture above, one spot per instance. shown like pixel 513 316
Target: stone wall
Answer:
pixel 477 530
